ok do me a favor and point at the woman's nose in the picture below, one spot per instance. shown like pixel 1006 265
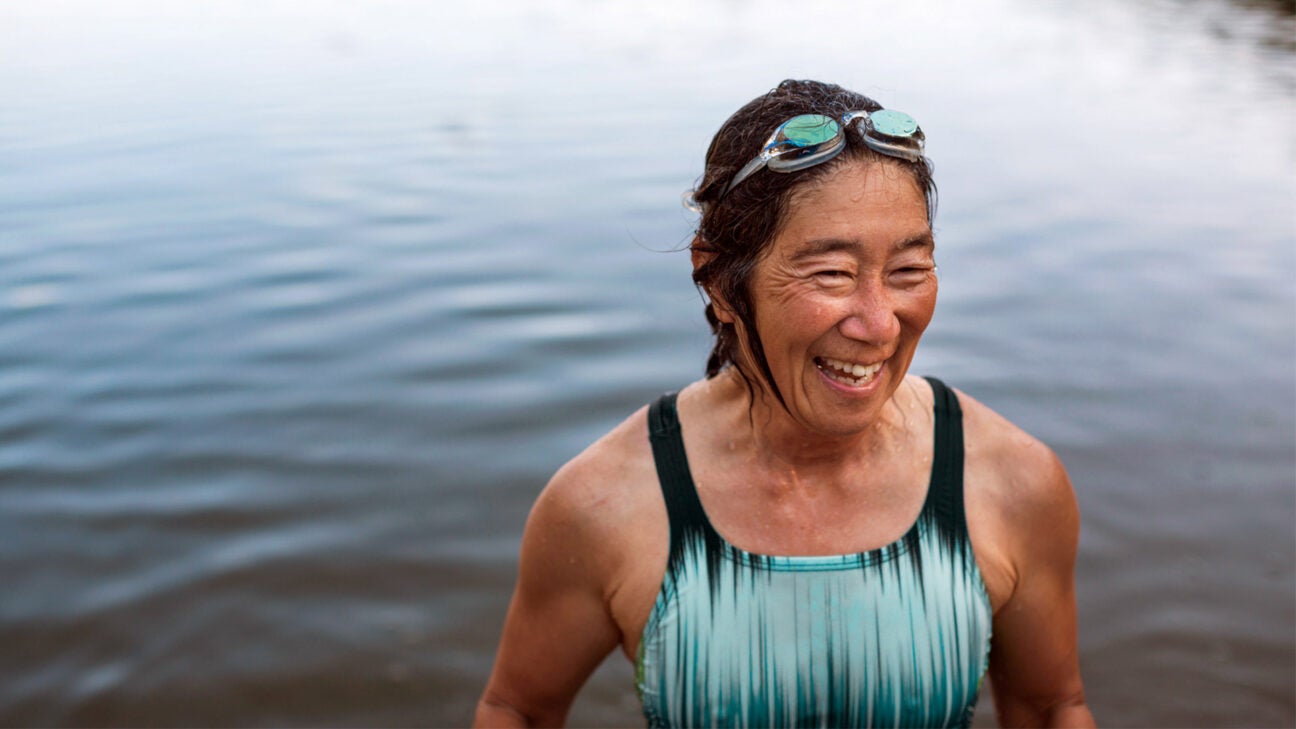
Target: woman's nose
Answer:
pixel 872 317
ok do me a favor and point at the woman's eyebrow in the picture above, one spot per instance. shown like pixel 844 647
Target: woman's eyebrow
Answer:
pixel 820 246
pixel 922 240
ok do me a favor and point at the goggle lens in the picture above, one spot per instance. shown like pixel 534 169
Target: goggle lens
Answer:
pixel 809 130
pixel 803 141
pixel 893 123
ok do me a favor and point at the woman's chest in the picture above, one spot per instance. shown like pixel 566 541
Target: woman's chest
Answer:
pixel 783 514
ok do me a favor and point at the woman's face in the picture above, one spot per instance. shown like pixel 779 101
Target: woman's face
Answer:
pixel 844 293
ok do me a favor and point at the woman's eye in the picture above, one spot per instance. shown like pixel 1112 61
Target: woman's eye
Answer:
pixel 913 273
pixel 832 274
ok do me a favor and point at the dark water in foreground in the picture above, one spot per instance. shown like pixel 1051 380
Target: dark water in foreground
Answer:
pixel 299 310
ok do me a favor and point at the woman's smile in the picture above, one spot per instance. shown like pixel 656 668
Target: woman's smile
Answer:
pixel 851 374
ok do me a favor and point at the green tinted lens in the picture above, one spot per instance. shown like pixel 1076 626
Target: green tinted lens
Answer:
pixel 893 123
pixel 809 130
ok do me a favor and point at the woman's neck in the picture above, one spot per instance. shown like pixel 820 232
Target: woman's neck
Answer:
pixel 757 423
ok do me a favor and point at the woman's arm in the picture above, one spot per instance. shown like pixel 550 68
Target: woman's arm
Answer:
pixel 1034 660
pixel 558 627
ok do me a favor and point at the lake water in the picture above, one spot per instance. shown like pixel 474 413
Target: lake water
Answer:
pixel 301 305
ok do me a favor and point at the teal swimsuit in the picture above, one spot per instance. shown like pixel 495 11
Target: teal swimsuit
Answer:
pixel 898 636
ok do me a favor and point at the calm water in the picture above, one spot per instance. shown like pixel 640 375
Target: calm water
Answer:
pixel 300 306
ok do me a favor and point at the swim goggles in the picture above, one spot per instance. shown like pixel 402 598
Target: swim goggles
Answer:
pixel 809 139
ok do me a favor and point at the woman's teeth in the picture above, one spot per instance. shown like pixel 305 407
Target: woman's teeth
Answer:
pixel 847 373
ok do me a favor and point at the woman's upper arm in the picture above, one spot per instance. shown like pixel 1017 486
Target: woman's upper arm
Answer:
pixel 558 627
pixel 1034 659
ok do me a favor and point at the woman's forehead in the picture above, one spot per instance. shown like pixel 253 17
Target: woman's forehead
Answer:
pixel 859 204
pixel 852 178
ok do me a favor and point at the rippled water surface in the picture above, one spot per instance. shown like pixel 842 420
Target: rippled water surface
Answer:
pixel 301 305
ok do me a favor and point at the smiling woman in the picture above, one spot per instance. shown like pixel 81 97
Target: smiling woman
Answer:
pixel 809 536
pixel 842 295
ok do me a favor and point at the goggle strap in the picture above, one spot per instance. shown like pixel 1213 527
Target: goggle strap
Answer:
pixel 748 170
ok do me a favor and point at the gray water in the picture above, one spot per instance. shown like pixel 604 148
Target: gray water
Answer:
pixel 301 305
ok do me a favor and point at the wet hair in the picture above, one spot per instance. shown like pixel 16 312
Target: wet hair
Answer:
pixel 736 230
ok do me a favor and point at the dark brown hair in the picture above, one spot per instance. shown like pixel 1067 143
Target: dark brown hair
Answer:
pixel 737 229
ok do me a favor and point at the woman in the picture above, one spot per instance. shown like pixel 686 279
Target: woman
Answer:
pixel 810 535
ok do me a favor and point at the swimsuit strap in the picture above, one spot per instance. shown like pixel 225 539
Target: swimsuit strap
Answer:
pixel 689 524
pixel 945 493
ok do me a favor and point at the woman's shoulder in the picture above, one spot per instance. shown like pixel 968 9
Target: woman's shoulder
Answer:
pixel 610 464
pixel 605 490
pixel 1023 468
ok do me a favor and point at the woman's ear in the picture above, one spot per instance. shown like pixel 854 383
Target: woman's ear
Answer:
pixel 702 257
